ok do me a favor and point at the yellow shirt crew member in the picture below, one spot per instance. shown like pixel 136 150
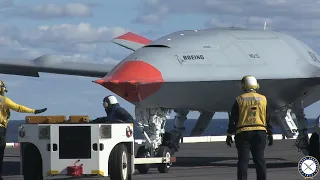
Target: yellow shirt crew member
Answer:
pixel 249 112
pixel 6 104
pixel 248 121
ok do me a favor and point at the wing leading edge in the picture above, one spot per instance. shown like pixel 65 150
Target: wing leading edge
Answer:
pixel 53 64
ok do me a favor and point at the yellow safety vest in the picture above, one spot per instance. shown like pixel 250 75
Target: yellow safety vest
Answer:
pixel 252 112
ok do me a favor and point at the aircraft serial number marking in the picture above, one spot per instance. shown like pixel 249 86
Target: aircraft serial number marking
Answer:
pixel 313 57
pixel 254 55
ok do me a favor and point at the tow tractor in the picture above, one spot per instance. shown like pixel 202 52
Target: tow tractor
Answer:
pixel 54 146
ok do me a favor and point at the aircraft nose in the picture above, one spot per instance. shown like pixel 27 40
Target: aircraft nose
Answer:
pixel 133 80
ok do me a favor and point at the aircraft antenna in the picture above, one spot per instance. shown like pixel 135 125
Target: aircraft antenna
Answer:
pixel 265 25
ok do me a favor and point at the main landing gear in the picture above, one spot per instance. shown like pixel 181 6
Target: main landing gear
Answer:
pixel 152 121
pixel 159 143
pixel 289 129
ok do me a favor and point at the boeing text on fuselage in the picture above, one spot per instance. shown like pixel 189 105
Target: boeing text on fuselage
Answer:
pixel 188 58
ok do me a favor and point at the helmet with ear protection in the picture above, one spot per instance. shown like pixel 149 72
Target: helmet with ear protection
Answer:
pixel 3 88
pixel 249 83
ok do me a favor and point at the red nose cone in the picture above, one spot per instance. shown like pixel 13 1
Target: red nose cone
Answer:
pixel 133 80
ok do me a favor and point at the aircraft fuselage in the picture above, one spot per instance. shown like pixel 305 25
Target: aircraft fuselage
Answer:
pixel 201 70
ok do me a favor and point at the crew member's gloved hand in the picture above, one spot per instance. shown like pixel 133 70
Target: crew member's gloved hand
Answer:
pixel 229 140
pixel 98 120
pixel 38 111
pixel 270 140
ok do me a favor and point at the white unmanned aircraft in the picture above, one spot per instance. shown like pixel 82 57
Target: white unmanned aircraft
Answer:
pixel 200 70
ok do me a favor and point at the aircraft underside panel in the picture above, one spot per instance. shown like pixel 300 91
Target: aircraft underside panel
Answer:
pixel 220 96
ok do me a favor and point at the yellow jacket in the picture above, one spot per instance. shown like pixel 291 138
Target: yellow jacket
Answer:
pixel 252 112
pixel 5 105
pixel 246 106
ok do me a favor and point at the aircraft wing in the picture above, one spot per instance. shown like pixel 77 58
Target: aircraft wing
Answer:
pixel 53 64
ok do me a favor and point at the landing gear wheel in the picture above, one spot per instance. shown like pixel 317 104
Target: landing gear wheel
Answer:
pixel 142 153
pixel 120 163
pixel 164 151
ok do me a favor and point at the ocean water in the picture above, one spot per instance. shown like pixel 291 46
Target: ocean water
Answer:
pixel 217 127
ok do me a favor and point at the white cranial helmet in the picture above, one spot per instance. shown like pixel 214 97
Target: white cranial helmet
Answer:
pixel 113 100
pixel 110 100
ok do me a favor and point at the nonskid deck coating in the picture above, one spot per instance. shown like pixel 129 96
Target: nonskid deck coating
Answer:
pixel 205 161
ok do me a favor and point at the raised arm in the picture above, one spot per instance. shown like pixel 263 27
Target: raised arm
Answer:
pixel 17 107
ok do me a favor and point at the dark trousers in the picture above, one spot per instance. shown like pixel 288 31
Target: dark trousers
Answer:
pixel 254 141
pixel 314 146
pixel 2 147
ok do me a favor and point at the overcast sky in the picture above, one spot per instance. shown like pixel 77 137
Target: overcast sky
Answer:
pixel 81 31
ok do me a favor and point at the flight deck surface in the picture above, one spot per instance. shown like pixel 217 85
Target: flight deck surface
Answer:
pixel 203 161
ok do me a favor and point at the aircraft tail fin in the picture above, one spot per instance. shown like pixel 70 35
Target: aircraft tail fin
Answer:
pixel 131 41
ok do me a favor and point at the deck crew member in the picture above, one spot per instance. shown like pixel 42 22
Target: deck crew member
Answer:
pixel 6 104
pixel 114 112
pixel 249 122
